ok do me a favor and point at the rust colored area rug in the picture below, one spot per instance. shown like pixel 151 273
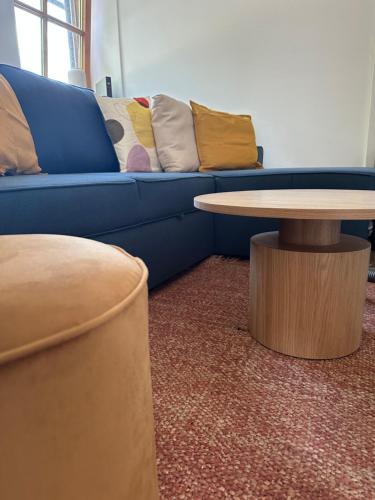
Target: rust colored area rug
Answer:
pixel 236 420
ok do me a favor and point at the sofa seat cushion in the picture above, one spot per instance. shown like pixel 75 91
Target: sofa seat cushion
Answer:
pixel 74 204
pixel 167 194
pixel 66 124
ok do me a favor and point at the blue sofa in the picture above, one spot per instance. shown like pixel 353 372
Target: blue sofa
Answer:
pixel 151 215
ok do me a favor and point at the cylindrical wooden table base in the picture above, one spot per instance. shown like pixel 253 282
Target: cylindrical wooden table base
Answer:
pixel 307 300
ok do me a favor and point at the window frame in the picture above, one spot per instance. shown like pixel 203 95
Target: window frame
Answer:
pixel 84 32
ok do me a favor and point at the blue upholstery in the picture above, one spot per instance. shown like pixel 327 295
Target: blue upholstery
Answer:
pixel 242 180
pixel 66 124
pixel 333 178
pixel 167 246
pixel 152 215
pixel 296 178
pixel 166 194
pixel 75 204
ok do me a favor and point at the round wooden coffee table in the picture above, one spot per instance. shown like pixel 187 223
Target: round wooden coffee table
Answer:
pixel 307 281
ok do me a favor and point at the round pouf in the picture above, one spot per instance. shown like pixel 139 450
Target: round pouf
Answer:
pixel 75 390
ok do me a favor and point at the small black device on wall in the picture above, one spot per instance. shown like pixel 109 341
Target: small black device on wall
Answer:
pixel 104 87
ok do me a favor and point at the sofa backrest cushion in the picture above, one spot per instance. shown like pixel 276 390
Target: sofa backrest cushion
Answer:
pixel 66 124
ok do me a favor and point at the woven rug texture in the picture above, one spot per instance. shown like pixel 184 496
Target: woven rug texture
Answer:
pixel 236 420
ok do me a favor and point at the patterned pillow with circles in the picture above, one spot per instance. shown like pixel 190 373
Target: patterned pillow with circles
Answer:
pixel 128 123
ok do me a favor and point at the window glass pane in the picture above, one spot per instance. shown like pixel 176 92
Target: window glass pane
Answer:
pixel 64 52
pixel 29 34
pixel 37 4
pixel 68 11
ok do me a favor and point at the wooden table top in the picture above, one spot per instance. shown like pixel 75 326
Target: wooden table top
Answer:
pixel 330 204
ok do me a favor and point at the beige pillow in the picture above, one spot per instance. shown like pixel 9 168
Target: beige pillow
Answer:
pixel 172 122
pixel 17 149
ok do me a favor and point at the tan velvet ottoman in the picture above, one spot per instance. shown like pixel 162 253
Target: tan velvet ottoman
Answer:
pixel 76 420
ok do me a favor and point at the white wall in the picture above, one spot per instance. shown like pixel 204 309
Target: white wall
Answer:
pixel 370 150
pixel 105 44
pixel 8 37
pixel 302 68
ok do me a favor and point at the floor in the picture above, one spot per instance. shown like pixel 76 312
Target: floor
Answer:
pixel 236 420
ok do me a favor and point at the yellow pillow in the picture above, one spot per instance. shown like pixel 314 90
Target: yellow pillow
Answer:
pixel 224 141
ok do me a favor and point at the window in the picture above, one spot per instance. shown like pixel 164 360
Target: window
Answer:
pixel 54 36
